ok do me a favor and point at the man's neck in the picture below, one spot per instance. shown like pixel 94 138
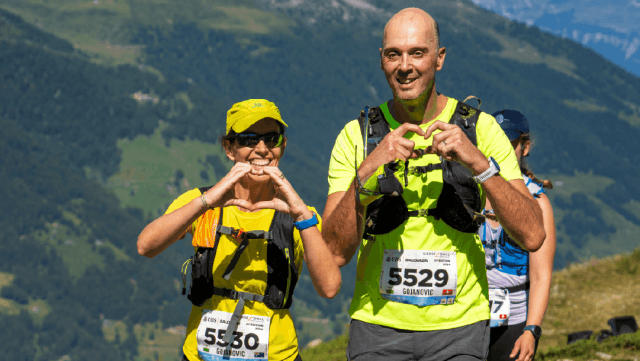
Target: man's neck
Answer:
pixel 418 111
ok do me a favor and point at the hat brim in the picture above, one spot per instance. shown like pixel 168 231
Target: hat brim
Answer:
pixel 512 134
pixel 246 122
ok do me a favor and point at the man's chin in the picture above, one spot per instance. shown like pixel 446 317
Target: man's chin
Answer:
pixel 410 98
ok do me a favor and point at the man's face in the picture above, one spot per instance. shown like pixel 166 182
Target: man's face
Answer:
pixel 410 58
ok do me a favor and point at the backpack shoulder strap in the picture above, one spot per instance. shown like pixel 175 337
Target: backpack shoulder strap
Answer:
pixel 376 127
pixel 282 272
pixel 466 117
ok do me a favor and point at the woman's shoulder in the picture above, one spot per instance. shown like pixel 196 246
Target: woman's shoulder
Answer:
pixel 184 199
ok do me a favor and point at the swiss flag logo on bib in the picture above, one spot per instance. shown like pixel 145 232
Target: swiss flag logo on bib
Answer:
pixel 447 292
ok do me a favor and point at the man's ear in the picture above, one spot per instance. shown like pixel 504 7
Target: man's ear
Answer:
pixel 442 52
pixel 228 150
pixel 381 67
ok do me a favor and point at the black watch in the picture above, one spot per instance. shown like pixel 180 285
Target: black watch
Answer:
pixel 536 331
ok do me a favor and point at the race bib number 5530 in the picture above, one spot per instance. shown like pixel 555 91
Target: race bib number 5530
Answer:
pixel 420 278
pixel 250 340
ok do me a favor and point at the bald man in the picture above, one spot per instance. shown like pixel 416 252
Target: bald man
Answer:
pixel 421 287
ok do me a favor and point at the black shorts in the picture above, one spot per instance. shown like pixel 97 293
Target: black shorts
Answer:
pixel 503 339
pixel 369 342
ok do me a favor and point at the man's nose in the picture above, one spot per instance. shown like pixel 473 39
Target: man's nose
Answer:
pixel 405 64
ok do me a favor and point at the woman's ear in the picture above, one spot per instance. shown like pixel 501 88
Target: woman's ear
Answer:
pixel 526 146
pixel 283 145
pixel 229 151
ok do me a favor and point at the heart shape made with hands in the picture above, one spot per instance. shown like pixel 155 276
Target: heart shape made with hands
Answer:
pixel 283 197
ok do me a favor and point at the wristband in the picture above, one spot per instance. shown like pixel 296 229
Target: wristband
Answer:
pixel 301 225
pixel 204 202
pixel 494 169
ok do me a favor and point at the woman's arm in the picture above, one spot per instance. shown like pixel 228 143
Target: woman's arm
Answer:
pixel 168 228
pixel 541 266
pixel 540 270
pixel 324 271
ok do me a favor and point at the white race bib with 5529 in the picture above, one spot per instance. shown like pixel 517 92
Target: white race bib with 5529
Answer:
pixel 250 340
pixel 500 306
pixel 420 278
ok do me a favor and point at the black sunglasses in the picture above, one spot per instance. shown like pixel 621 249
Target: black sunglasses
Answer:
pixel 271 140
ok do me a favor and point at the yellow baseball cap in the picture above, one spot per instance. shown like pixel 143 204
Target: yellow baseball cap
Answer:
pixel 244 114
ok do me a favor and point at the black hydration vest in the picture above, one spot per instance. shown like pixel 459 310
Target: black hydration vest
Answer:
pixel 459 204
pixel 282 273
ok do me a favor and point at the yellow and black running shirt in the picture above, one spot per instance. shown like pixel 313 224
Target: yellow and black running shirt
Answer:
pixel 249 275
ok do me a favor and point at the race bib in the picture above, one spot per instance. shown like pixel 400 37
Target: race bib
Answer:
pixel 421 278
pixel 250 340
pixel 500 306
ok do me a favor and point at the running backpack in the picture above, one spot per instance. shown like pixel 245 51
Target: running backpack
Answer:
pixel 459 204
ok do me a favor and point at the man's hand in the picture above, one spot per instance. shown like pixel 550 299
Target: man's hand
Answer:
pixel 393 147
pixel 452 144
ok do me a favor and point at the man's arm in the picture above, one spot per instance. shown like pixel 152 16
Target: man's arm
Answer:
pixel 517 211
pixel 343 214
pixel 343 227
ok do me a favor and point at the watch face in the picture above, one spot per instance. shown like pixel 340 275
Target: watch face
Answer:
pixel 535 330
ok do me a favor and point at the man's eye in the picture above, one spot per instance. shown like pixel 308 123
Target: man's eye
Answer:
pixel 418 54
pixel 392 55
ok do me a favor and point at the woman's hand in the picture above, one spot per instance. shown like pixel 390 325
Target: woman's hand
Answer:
pixel 286 199
pixel 525 345
pixel 222 194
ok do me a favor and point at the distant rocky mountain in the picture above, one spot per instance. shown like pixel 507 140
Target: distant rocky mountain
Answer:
pixel 611 28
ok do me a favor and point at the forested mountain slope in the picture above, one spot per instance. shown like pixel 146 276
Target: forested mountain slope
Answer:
pixel 92 151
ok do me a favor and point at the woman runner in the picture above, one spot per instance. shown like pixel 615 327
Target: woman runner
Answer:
pixel 251 232
pixel 519 281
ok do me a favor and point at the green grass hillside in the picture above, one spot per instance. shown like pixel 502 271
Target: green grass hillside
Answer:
pixel 583 297
pixel 103 28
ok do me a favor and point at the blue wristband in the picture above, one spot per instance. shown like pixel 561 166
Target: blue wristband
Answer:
pixel 307 222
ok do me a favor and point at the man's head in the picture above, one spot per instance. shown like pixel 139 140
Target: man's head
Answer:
pixel 411 55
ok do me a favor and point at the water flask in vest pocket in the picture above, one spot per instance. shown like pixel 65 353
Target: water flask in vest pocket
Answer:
pixel 201 288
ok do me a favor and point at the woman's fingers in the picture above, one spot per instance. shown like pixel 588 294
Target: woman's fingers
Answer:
pixel 525 346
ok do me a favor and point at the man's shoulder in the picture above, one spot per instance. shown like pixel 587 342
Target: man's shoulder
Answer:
pixel 350 133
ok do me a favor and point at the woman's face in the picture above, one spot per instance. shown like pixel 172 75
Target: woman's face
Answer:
pixel 521 147
pixel 260 155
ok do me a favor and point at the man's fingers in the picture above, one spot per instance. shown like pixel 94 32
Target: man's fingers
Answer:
pixel 438 124
pixel 417 153
pixel 406 128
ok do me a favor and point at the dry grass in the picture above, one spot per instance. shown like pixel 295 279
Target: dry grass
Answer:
pixel 584 296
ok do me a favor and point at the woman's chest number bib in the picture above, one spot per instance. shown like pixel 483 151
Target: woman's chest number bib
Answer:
pixel 500 306
pixel 250 339
pixel 420 278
